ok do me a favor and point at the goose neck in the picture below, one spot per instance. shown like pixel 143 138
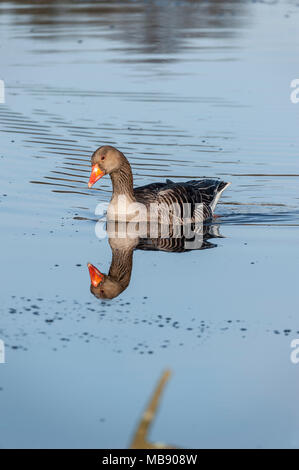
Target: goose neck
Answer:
pixel 122 182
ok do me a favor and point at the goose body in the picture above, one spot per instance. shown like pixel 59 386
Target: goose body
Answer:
pixel 204 192
pixel 166 201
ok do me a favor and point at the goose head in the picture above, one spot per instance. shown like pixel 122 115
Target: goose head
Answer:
pixel 105 161
pixel 103 286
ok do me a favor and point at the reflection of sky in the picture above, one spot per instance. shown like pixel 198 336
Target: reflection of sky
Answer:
pixel 220 79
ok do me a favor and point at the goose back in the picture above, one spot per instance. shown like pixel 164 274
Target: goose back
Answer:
pixel 204 191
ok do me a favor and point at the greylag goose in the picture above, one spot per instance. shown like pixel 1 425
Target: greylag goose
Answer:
pixel 123 243
pixel 201 196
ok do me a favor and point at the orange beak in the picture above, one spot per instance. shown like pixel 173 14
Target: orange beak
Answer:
pixel 96 277
pixel 96 174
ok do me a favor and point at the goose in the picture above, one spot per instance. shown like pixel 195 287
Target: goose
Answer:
pixel 128 202
pixel 123 243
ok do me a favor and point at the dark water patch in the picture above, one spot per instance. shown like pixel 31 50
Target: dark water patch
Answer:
pixel 149 74
pixel 124 95
pixel 22 132
pixel 75 323
pixel 258 175
pixel 279 218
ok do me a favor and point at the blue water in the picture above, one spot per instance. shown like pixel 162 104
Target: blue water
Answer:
pixel 184 89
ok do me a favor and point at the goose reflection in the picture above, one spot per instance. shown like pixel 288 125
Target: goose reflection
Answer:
pixel 124 241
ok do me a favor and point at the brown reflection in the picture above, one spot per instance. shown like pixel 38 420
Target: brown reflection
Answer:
pixel 124 241
pixel 156 27
pixel 140 439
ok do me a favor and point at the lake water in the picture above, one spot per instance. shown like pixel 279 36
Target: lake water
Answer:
pixel 185 89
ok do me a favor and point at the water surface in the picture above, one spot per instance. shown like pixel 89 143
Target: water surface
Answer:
pixel 185 89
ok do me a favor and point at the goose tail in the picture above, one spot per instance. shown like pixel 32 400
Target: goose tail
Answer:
pixel 222 186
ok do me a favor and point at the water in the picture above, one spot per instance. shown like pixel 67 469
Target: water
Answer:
pixel 185 90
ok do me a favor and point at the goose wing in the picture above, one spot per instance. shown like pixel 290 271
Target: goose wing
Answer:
pixel 207 191
pixel 204 191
